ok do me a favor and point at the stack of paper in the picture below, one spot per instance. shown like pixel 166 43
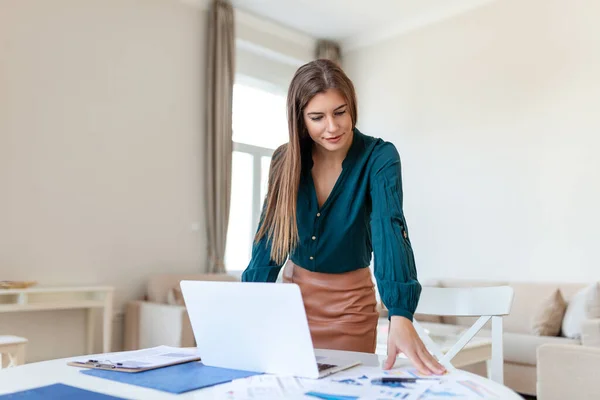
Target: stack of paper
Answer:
pixel 361 382
pixel 459 386
pixel 352 384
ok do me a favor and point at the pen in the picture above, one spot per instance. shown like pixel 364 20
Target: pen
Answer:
pixel 394 380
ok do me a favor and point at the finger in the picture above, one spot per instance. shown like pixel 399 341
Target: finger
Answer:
pixel 438 367
pixel 392 351
pixel 422 358
pixel 431 363
pixel 418 363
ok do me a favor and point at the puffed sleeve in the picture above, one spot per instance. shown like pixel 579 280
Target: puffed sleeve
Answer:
pixel 395 269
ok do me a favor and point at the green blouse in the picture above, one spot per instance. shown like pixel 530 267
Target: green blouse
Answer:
pixel 362 215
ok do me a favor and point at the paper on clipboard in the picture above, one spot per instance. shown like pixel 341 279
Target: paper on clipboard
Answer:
pixel 138 360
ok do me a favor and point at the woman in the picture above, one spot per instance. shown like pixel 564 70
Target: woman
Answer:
pixel 335 196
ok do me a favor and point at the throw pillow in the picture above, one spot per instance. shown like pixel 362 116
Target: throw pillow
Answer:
pixel 583 305
pixel 549 316
pixel 592 305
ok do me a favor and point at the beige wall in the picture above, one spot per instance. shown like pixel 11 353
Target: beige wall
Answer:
pixel 495 114
pixel 101 121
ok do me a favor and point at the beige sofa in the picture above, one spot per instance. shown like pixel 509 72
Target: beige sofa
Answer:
pixel 520 344
pixel 160 318
pixel 568 372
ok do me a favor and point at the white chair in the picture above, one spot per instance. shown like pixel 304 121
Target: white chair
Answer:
pixel 14 348
pixel 483 302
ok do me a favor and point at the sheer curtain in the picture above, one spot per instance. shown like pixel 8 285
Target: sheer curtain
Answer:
pixel 219 145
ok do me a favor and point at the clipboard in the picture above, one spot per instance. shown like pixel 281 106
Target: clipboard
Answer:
pixel 124 367
pixel 138 360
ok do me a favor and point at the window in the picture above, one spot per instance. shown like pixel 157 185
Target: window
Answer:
pixel 259 127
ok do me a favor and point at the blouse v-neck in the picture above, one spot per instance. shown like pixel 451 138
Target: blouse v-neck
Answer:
pixel 338 182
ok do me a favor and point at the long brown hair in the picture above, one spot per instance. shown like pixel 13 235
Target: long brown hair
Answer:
pixel 279 216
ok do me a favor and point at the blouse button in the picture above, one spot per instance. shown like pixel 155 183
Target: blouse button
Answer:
pixel 318 214
pixel 314 238
pixel 312 258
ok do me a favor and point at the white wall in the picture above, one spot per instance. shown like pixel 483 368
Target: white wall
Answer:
pixel 495 115
pixel 101 127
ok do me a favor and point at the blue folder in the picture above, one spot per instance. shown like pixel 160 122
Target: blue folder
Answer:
pixel 176 379
pixel 58 391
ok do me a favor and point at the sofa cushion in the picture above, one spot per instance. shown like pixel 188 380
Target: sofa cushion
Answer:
pixel 549 316
pixel 585 304
pixel 158 287
pixel 528 299
pixel 522 348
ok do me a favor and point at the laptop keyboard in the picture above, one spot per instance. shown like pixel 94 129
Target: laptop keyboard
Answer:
pixel 323 367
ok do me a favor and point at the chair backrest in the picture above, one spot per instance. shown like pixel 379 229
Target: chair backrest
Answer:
pixel 485 302
pixel 495 300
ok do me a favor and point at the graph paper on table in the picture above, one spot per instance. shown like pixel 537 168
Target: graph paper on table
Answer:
pixel 359 383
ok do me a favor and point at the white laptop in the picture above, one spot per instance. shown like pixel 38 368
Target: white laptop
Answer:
pixel 259 327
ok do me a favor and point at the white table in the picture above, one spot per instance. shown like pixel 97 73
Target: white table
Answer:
pixel 48 372
pixel 90 298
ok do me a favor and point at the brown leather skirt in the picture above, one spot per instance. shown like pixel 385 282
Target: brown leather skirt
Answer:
pixel 340 307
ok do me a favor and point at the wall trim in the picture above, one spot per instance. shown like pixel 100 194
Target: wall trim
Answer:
pixel 273 28
pixel 261 24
